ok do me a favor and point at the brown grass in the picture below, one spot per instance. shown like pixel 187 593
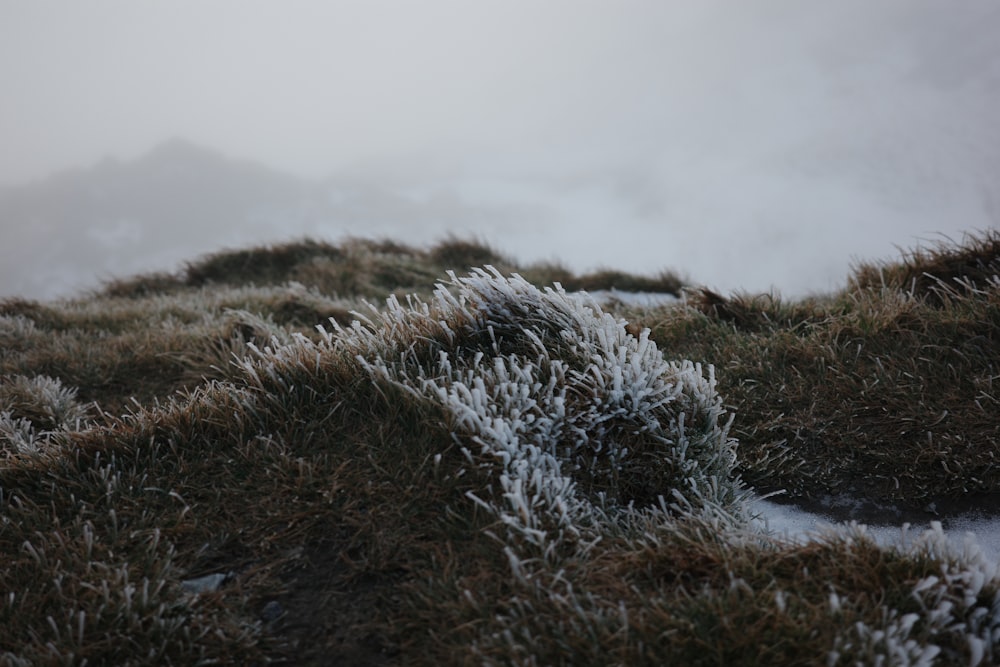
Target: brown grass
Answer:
pixel 879 391
pixel 338 507
pixel 936 273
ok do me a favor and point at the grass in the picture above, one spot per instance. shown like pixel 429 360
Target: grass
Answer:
pixel 370 269
pixel 490 473
pixel 884 391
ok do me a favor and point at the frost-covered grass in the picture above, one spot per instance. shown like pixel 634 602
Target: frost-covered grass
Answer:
pixel 490 473
pixel 560 395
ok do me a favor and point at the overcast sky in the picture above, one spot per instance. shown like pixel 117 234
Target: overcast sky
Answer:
pixel 746 143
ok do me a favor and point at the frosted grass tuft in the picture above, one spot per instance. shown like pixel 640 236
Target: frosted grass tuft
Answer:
pixel 584 431
pixel 578 420
pixel 34 409
pixel 17 435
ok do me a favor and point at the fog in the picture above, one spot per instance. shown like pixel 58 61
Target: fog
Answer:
pixel 747 145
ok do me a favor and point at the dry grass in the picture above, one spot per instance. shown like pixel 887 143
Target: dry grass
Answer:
pixel 937 272
pixel 370 269
pixel 878 391
pixel 359 509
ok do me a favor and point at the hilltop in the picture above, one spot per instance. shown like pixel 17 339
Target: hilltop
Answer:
pixel 245 461
pixel 119 216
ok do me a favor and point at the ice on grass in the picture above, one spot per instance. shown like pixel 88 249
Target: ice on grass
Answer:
pixel 576 418
pixel 583 431
pixel 33 410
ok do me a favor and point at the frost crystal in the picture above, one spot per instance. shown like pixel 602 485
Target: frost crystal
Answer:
pixel 33 409
pixel 576 417
pixel 961 607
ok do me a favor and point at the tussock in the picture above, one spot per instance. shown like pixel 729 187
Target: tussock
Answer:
pixel 371 269
pixel 560 396
pixel 34 411
pixel 937 273
pixel 489 473
pixel 881 392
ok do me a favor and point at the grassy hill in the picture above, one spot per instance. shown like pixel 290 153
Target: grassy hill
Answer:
pixel 246 463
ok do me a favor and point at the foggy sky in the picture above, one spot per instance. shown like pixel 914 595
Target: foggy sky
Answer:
pixel 748 144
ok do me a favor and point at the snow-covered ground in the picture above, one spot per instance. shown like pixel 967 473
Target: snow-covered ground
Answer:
pixel 966 533
pixel 639 299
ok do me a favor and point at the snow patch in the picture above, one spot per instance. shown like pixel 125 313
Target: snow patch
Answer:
pixel 636 299
pixel 971 534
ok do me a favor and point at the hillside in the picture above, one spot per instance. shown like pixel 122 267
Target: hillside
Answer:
pixel 244 462
pixel 117 217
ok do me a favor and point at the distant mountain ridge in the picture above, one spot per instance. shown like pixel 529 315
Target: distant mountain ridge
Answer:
pixel 70 232
pixel 120 217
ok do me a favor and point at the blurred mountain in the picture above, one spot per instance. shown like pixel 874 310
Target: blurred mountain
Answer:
pixel 64 234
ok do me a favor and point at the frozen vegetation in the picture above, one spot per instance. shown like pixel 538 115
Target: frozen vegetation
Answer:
pixel 492 471
pixel 579 421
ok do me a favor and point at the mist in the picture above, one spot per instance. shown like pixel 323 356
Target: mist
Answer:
pixel 758 145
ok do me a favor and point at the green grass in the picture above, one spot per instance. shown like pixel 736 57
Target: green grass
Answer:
pixel 491 473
